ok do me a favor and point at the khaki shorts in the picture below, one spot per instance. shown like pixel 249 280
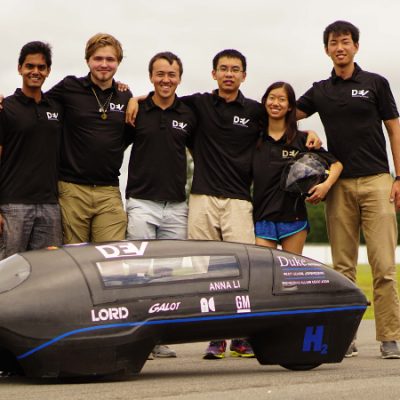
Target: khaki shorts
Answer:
pixel 91 213
pixel 214 218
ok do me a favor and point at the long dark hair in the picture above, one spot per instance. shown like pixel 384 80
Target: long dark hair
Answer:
pixel 290 117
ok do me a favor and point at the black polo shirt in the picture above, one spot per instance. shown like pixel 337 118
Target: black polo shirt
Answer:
pixel 30 135
pixel 92 148
pixel 157 165
pixel 270 202
pixel 352 112
pixel 224 142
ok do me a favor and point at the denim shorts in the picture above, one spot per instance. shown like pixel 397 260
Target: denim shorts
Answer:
pixel 279 230
pixel 29 227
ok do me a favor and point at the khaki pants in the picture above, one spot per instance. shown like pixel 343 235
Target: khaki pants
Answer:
pixel 91 213
pixel 356 203
pixel 214 218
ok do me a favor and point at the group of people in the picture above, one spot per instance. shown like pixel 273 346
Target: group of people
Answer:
pixel 61 152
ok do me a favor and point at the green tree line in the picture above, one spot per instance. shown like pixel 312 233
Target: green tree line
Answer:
pixel 316 216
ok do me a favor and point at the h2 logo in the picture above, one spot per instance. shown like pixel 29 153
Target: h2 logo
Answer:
pixel 313 340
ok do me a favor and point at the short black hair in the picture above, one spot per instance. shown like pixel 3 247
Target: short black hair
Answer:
pixel 340 28
pixel 36 47
pixel 230 53
pixel 170 57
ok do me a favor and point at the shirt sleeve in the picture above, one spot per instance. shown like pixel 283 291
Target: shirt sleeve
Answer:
pixel 386 102
pixel 306 102
pixel 129 135
pixel 3 125
pixel 191 100
pixel 57 92
pixel 328 157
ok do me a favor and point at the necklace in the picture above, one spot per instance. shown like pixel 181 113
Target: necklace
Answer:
pixel 103 107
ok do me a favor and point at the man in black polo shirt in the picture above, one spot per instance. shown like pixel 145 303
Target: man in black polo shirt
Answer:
pixel 93 146
pixel 228 127
pixel 352 104
pixel 30 132
pixel 155 192
pixel 220 202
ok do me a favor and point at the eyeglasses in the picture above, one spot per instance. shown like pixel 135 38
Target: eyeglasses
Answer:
pixel 224 69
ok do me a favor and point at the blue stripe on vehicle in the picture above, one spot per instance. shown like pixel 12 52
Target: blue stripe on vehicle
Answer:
pixel 187 320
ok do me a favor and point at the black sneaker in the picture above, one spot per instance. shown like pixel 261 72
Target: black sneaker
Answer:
pixel 389 350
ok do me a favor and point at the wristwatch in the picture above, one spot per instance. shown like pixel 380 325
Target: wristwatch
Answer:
pixel 397 178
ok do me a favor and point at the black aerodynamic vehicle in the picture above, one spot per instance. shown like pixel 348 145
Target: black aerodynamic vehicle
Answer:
pixel 99 309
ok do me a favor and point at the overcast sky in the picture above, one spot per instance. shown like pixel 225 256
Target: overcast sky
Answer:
pixel 282 40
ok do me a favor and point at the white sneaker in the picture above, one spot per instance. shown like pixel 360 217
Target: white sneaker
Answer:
pixel 161 351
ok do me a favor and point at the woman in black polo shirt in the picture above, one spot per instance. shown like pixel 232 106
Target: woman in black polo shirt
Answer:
pixel 280 216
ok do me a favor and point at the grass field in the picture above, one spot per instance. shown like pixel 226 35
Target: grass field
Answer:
pixel 364 282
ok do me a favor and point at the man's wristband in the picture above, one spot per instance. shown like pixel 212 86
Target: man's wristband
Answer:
pixel 397 178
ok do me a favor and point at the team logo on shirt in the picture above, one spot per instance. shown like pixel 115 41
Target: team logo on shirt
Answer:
pixel 360 93
pixel 289 153
pixel 117 107
pixel 52 116
pixel 179 125
pixel 243 122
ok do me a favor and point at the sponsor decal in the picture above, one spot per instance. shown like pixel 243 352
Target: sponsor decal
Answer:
pixel 243 122
pixel 360 93
pixel 224 285
pixel 292 261
pixel 52 116
pixel 313 340
pixel 121 250
pixel 117 107
pixel 207 305
pixel 242 304
pixel 179 125
pixel 159 307
pixel 305 282
pixel 301 271
pixel 108 314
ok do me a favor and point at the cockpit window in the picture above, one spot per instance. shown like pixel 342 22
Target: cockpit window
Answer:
pixel 13 271
pixel 136 271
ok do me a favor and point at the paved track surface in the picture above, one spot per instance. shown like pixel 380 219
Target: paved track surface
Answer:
pixel 188 377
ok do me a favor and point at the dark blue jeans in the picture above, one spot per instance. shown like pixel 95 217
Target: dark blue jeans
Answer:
pixel 29 227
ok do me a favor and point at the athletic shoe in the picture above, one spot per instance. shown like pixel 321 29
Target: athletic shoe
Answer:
pixel 160 351
pixel 352 350
pixel 389 350
pixel 215 350
pixel 241 348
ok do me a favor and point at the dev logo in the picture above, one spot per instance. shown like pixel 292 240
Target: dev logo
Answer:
pixel 121 250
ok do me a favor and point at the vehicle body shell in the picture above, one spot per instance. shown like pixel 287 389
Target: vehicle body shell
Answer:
pixel 99 309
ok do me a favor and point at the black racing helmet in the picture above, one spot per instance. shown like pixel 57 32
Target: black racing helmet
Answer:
pixel 303 172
